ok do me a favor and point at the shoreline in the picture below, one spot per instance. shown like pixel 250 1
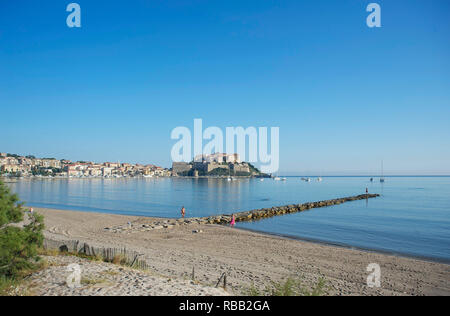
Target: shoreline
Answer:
pixel 269 234
pixel 350 247
pixel 249 258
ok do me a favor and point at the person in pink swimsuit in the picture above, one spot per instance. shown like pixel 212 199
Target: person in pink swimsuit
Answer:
pixel 233 220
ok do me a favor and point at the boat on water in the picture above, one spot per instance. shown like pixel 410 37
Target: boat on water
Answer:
pixel 229 179
pixel 382 180
pixel 262 180
pixel 283 179
pixel 319 179
pixel 277 179
pixel 148 176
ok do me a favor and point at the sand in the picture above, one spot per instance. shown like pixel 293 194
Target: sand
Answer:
pixel 249 258
pixel 107 279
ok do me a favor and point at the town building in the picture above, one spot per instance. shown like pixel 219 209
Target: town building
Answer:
pixel 31 165
pixel 179 168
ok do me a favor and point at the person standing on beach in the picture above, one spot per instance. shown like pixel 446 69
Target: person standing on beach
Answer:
pixel 233 220
pixel 367 191
pixel 31 210
pixel 183 212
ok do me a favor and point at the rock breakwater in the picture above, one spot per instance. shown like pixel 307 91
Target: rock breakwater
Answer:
pixel 247 216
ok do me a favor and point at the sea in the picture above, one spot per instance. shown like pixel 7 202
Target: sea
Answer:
pixel 411 218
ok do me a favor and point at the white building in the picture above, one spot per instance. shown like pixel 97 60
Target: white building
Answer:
pixel 107 172
pixel 218 157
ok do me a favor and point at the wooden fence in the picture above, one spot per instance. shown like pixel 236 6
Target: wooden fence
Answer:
pixel 125 256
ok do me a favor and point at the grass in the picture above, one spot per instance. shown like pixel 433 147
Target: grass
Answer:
pixel 15 286
pixel 120 260
pixel 111 273
pixel 56 253
pixel 92 281
pixel 7 286
pixel 289 287
pixel 10 286
pixel 117 260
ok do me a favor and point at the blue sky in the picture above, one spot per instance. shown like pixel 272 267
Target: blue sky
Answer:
pixel 344 96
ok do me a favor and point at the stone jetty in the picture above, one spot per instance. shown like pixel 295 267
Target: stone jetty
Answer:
pixel 283 210
pixel 240 216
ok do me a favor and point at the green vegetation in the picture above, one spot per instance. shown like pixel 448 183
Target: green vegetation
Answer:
pixel 219 172
pixel 255 171
pixel 289 287
pixel 6 285
pixel 42 171
pixel 92 281
pixel 18 245
pixel 226 171
pixel 119 260
pixel 12 156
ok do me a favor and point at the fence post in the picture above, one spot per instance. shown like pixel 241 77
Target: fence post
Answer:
pixel 220 279
pixel 225 282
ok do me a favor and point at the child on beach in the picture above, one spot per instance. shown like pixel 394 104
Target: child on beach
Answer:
pixel 183 212
pixel 233 220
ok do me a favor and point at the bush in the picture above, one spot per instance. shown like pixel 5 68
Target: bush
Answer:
pixel 18 245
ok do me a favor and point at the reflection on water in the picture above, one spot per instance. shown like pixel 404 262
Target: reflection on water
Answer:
pixel 412 216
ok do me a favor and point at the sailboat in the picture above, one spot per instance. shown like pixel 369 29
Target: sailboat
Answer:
pixel 382 172
pixel 229 174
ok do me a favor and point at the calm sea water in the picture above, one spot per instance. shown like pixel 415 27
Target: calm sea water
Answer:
pixel 412 217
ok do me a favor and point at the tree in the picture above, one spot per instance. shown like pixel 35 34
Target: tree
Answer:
pixel 18 243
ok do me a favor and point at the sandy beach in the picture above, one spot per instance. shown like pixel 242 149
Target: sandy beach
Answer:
pixel 248 258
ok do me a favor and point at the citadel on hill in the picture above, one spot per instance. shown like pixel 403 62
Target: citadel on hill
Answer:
pixel 218 164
